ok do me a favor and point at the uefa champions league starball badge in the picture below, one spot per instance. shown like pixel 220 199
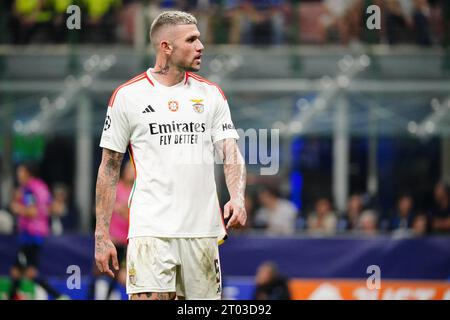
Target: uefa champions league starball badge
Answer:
pixel 198 105
pixel 173 105
pixel 107 123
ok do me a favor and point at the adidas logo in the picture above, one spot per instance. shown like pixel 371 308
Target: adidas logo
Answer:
pixel 148 109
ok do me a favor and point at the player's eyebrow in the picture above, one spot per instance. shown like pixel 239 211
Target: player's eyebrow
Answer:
pixel 193 36
pixel 189 36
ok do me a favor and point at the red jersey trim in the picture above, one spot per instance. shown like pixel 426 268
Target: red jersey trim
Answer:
pixel 146 75
pixel 200 79
pixel 135 79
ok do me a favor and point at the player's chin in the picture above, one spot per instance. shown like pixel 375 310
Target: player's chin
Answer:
pixel 195 66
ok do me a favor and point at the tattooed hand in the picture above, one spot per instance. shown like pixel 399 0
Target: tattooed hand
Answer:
pixel 104 251
pixel 236 209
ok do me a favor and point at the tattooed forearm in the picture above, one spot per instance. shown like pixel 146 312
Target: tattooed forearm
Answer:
pixel 234 170
pixel 105 193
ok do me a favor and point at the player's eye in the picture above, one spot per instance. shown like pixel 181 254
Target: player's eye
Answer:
pixel 193 39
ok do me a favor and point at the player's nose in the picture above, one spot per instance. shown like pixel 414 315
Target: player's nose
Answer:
pixel 200 46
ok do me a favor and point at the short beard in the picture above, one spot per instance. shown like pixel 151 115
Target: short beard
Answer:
pixel 190 69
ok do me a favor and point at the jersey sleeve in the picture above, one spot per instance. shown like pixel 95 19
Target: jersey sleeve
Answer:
pixel 116 131
pixel 222 125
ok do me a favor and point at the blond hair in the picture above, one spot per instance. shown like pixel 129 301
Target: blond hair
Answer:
pixel 172 18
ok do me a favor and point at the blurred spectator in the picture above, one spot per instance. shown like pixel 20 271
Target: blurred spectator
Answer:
pixel 58 209
pixel 59 29
pixel 31 21
pixel 100 24
pixel 131 23
pixel 259 22
pixel 31 206
pixel 403 218
pixel 6 21
pixel 311 29
pixel 62 214
pixel 205 11
pixel 270 284
pixel 368 223
pixel 323 219
pixel 420 225
pixel 215 26
pixel 405 222
pixel 441 210
pixel 118 230
pixel 355 206
pixel 343 16
pixel 408 17
pixel 276 214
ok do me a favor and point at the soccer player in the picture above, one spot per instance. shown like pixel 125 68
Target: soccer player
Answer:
pixel 171 121
pixel 31 205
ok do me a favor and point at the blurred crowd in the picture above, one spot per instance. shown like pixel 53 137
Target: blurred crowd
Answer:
pixel 268 211
pixel 59 214
pixel 275 215
pixel 257 22
pixel 35 212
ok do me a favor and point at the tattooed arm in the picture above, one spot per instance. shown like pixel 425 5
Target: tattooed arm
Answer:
pixel 235 177
pixel 105 196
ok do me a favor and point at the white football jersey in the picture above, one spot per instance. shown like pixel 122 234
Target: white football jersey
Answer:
pixel 170 132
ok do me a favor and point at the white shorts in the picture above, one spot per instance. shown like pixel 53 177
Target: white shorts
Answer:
pixel 188 266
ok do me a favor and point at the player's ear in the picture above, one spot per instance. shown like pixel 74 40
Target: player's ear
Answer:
pixel 165 47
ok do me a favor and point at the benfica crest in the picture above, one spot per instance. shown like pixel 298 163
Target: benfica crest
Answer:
pixel 198 105
pixel 132 274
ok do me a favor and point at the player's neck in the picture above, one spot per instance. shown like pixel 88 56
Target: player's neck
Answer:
pixel 167 75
